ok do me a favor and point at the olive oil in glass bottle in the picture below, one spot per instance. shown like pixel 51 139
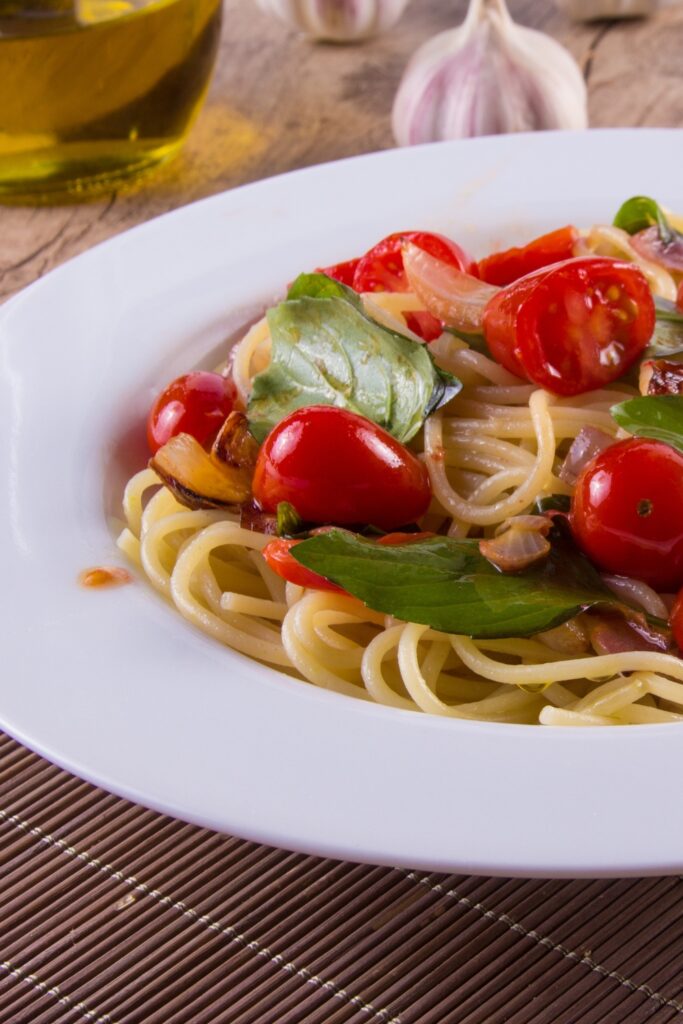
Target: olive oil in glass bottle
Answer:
pixel 97 90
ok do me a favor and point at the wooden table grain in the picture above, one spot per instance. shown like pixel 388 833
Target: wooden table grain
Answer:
pixel 279 101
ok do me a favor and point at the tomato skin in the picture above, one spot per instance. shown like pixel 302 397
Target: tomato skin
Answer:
pixel 503 268
pixel 278 555
pixel 422 323
pixel 342 272
pixel 337 467
pixel 197 403
pixel 626 512
pixel 381 268
pixel 571 327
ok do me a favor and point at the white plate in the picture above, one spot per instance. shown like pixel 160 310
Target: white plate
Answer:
pixel 115 686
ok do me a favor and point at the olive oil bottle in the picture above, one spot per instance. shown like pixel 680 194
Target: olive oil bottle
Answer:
pixel 96 90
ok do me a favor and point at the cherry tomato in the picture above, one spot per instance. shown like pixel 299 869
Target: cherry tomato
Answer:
pixel 676 620
pixel 679 296
pixel 195 404
pixel 503 268
pixel 342 272
pixel 571 327
pixel 381 269
pixel 422 323
pixel 337 467
pixel 278 555
pixel 626 512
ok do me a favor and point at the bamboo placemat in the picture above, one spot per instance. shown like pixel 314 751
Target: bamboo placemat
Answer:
pixel 112 914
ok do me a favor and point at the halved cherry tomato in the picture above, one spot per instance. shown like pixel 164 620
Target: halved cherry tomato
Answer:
pixel 626 512
pixel 342 272
pixel 278 555
pixel 422 323
pixel 503 268
pixel 196 404
pixel 571 327
pixel 381 269
pixel 337 467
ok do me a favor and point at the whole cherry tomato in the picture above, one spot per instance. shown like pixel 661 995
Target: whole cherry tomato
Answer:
pixel 342 272
pixel 337 467
pixel 381 269
pixel 626 512
pixel 278 555
pixel 571 327
pixel 195 404
pixel 503 268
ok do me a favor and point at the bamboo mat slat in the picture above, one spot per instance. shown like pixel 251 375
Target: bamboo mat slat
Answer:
pixel 112 914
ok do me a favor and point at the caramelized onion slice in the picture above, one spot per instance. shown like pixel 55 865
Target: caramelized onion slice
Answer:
pixel 235 445
pixel 197 479
pixel 519 543
pixel 589 442
pixel 456 298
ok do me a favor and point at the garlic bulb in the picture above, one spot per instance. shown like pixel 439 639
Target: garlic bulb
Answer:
pixel 340 21
pixel 486 77
pixel 591 10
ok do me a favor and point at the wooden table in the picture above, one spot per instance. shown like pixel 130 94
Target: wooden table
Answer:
pixel 113 914
pixel 278 102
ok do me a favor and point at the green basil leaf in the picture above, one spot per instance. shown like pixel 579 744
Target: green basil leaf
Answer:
pixel 641 212
pixel 289 522
pixel 320 286
pixel 656 416
pixel 327 351
pixel 448 585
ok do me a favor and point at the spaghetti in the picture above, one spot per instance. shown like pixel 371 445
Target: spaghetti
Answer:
pixel 490 452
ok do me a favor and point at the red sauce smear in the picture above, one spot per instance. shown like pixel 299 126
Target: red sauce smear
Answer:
pixel 104 576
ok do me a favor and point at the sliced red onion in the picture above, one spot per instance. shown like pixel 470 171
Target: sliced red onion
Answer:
pixel 255 519
pixel 635 592
pixel 455 298
pixel 669 255
pixel 612 634
pixel 588 443
pixel 521 543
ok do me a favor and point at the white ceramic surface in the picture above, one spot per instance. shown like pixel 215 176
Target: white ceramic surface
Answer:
pixel 115 686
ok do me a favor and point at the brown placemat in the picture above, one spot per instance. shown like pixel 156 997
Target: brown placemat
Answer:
pixel 112 914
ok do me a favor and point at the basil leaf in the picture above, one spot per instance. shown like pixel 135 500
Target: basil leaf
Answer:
pixel 327 351
pixel 641 212
pixel 656 416
pixel 320 286
pixel 449 585
pixel 289 522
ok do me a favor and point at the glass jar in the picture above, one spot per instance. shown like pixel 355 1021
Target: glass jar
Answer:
pixel 97 90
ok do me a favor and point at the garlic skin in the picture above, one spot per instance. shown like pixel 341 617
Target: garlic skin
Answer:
pixel 487 77
pixel 339 21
